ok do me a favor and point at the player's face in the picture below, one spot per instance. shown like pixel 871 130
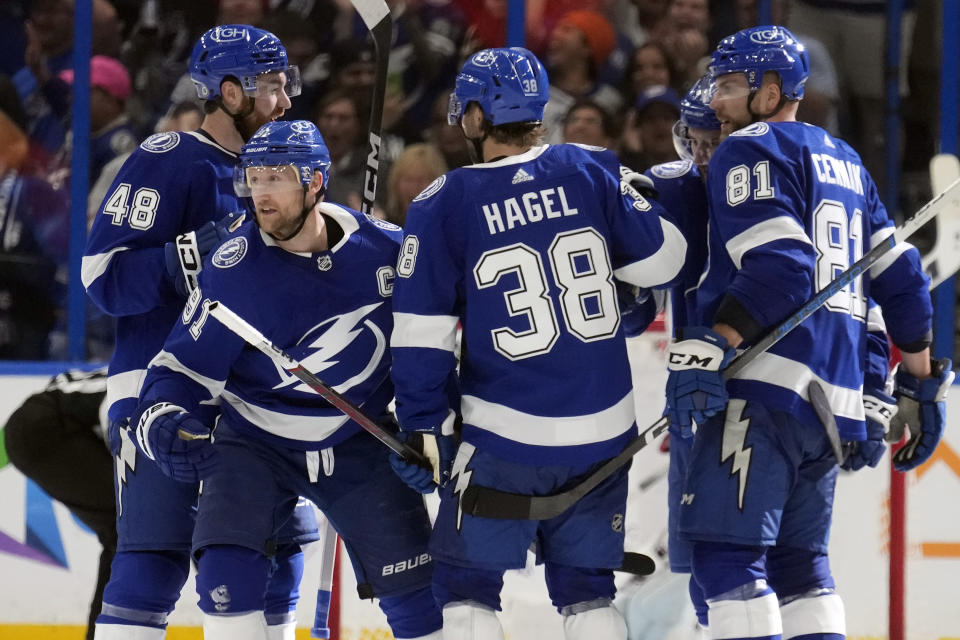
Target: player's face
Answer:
pixel 269 103
pixel 730 102
pixel 277 198
pixel 702 143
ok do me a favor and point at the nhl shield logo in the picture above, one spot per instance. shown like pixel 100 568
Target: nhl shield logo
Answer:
pixel 324 263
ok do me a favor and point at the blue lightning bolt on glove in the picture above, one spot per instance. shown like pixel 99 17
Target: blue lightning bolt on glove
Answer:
pixel 439 446
pixel 177 442
pixel 695 386
pixel 183 257
pixel 921 407
pixel 879 408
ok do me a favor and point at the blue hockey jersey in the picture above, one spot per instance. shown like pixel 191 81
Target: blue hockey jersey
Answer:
pixel 791 207
pixel 172 184
pixel 523 253
pixel 682 193
pixel 330 310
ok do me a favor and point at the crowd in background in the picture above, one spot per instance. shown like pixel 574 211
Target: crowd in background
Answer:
pixel 618 69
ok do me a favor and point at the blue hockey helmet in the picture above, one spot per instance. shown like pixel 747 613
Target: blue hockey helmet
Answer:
pixel 760 49
pixel 242 52
pixel 281 144
pixel 695 113
pixel 509 84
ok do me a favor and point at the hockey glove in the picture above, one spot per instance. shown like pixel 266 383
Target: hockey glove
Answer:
pixel 638 308
pixel 879 408
pixel 921 407
pixel 695 386
pixel 180 444
pixel 184 256
pixel 439 447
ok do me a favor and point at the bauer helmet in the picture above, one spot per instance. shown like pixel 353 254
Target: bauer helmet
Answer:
pixel 279 145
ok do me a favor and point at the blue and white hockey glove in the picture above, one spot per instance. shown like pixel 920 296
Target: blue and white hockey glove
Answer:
pixel 695 386
pixel 879 408
pixel 184 256
pixel 921 407
pixel 438 446
pixel 180 444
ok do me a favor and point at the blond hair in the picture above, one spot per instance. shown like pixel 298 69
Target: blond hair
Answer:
pixel 420 155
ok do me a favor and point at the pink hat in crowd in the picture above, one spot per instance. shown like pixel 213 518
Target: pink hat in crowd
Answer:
pixel 107 73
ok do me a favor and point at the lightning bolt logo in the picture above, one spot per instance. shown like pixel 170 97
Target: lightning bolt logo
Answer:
pixel 732 446
pixel 460 476
pixel 332 341
pixel 126 459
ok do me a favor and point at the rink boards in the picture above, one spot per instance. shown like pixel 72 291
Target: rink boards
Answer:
pixel 48 561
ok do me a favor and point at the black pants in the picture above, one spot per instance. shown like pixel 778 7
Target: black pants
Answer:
pixel 53 439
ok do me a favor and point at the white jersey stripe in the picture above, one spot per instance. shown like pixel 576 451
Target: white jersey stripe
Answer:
pixel 295 427
pixel 548 431
pixel 429 332
pixel 779 228
pixel 121 386
pixel 660 267
pixel 890 256
pixel 168 360
pixel 92 267
pixel 771 368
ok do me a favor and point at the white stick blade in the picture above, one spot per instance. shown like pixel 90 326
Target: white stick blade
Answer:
pixel 943 260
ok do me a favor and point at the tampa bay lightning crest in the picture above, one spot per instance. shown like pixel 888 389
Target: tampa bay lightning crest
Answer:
pixel 230 253
pixel 343 350
pixel 161 142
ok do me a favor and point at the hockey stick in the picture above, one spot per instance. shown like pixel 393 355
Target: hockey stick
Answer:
pixel 242 328
pixel 376 15
pixel 490 503
pixel 943 260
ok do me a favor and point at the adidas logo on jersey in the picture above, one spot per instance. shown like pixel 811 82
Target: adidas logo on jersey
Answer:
pixel 521 176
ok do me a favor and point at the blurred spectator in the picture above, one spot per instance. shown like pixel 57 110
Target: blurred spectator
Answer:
pixel 588 123
pixel 688 14
pixel 110 132
pixel 649 66
pixel 486 22
pixel 423 59
pixel 448 139
pixel 657 109
pixel 638 19
pixel 353 67
pixel 183 116
pixel 854 33
pixel 821 93
pixel 13 35
pixel 302 41
pixel 340 122
pixel 34 232
pixel 689 49
pixel 578 46
pixel 241 12
pixel 412 172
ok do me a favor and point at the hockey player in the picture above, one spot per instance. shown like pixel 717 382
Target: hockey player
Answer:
pixel 681 187
pixel 522 250
pixel 323 277
pixel 137 268
pixel 790 207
